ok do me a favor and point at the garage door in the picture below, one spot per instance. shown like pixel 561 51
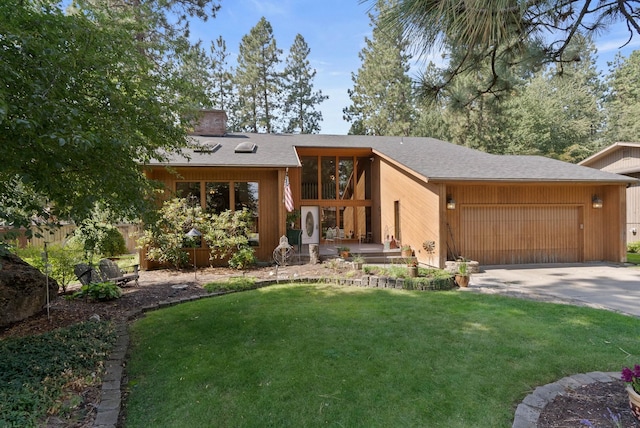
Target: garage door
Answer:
pixel 521 234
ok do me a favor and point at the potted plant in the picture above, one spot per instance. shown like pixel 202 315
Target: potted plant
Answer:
pixel 632 378
pixel 405 251
pixel 358 260
pixel 412 267
pixel 344 252
pixel 462 275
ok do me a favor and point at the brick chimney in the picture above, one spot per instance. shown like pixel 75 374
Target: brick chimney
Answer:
pixel 213 123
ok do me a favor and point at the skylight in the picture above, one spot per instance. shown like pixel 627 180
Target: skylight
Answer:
pixel 208 149
pixel 246 147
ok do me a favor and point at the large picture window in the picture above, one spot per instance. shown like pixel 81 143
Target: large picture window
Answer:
pixel 216 197
pixel 341 186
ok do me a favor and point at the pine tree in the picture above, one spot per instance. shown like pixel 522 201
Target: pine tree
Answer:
pixel 623 100
pixel 258 81
pixel 301 100
pixel 221 90
pixel 381 95
pixel 559 114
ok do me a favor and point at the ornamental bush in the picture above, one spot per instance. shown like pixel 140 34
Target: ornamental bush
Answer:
pixel 99 291
pixel 62 259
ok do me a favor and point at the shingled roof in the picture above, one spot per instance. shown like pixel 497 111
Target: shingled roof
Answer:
pixel 433 159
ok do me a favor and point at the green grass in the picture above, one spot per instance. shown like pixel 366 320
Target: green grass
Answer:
pixel 320 355
pixel 633 258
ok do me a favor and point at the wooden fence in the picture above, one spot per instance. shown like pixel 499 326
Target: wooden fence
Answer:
pixel 130 233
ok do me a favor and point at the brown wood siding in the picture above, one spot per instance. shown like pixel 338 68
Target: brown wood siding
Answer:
pixel 497 235
pixel 602 229
pixel 621 159
pixel 271 212
pixel 633 213
pixel 419 211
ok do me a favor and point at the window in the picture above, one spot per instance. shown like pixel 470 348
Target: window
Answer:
pixel 246 197
pixel 218 198
pixel 190 190
pixel 309 177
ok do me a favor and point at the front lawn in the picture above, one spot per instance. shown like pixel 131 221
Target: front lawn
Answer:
pixel 321 355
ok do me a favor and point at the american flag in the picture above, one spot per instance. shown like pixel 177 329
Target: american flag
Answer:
pixel 288 197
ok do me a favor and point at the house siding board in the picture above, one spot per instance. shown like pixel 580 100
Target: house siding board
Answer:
pixel 419 211
pixel 599 237
pixel 271 211
pixel 623 158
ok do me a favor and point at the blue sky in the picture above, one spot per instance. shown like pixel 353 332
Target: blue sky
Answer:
pixel 335 31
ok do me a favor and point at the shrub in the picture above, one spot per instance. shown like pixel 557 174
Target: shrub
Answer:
pixel 35 369
pixel 232 284
pixel 98 237
pixel 227 235
pixel 99 291
pixel 112 243
pixel 165 239
pixel 633 247
pixel 62 259
pixel 243 258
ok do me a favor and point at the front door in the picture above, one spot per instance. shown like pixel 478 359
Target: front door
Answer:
pixel 310 225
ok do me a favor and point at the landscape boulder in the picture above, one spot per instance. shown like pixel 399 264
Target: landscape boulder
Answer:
pixel 22 290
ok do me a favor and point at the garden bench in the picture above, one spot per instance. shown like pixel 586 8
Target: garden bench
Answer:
pixel 108 271
pixel 111 272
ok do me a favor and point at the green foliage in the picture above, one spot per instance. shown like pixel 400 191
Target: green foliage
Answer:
pixel 34 370
pixel 62 259
pixel 633 247
pixel 231 284
pixel 430 283
pixel 227 235
pixel 623 99
pixel 301 100
pixel 258 79
pixel 165 239
pixel 382 95
pixel 79 117
pixel 99 291
pixel 243 258
pixel 100 238
pixel 498 38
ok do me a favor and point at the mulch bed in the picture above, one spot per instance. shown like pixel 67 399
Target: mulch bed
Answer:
pixel 600 404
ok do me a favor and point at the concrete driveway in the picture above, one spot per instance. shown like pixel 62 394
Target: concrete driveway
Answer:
pixel 601 285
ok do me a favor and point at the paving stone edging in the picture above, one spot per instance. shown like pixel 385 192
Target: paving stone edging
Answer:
pixel 108 411
pixel 528 412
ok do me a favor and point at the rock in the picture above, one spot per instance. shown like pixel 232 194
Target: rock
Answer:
pixel 94 318
pixel 22 290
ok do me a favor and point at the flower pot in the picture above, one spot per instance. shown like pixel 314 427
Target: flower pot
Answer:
pixel 406 253
pixel 344 254
pixel 634 402
pixel 462 280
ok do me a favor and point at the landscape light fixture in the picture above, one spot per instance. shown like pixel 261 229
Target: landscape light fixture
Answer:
pixel 596 202
pixel 194 233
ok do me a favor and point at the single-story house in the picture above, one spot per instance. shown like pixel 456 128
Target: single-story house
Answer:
pixel 623 158
pixel 443 200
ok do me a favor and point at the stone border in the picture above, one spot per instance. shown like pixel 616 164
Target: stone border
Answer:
pixel 108 411
pixel 528 412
